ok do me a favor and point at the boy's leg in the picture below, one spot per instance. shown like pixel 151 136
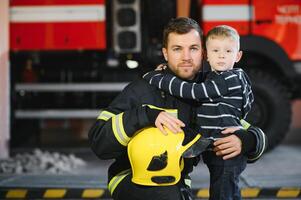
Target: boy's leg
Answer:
pixel 224 181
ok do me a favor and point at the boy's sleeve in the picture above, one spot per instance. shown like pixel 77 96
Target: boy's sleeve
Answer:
pixel 207 90
pixel 248 96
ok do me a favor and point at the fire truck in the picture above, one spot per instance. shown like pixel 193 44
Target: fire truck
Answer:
pixel 69 58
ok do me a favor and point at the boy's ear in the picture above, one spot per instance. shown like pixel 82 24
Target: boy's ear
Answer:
pixel 238 57
pixel 164 51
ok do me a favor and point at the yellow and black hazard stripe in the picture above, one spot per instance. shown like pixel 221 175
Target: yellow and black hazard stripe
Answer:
pixel 101 193
pixel 53 193
pixel 293 193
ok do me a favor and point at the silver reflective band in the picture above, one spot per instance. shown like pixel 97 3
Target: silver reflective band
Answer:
pixel 117 179
pixel 297 66
pixel 71 13
pixel 105 115
pixel 118 130
pixel 227 13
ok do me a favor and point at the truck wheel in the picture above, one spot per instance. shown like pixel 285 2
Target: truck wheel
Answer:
pixel 271 110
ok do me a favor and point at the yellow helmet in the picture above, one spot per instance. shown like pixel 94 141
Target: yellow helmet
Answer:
pixel 156 159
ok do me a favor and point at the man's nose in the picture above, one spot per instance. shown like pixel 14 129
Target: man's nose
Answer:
pixel 186 54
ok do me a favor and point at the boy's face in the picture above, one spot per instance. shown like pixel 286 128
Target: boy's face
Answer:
pixel 222 53
pixel 184 54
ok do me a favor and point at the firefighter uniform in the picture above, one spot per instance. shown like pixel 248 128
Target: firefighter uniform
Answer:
pixel 137 107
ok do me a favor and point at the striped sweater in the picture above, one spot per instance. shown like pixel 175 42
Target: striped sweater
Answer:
pixel 225 97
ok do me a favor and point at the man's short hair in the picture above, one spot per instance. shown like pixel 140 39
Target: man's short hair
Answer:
pixel 224 31
pixel 180 25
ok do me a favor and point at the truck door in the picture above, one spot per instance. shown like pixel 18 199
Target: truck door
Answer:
pixel 235 13
pixel 279 21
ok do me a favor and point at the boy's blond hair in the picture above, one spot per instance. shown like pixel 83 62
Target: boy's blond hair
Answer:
pixel 223 31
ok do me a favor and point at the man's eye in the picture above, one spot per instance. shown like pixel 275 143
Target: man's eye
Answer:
pixel 176 49
pixel 194 49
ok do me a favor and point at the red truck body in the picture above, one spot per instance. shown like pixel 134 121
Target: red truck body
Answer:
pixel 63 41
pixel 57 25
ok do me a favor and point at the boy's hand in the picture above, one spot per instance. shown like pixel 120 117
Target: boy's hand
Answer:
pixel 161 67
pixel 164 119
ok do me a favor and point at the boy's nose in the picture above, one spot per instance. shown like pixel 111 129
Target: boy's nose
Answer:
pixel 221 55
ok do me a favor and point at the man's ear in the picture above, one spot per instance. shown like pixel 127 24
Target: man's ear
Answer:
pixel 164 51
pixel 238 57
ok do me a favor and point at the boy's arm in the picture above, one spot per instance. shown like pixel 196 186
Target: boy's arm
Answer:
pixel 248 97
pixel 197 91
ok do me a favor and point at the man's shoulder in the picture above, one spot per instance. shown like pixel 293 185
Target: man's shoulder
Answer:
pixel 139 86
pixel 136 92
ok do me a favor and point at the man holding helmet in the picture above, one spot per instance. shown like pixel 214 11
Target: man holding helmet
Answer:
pixel 141 105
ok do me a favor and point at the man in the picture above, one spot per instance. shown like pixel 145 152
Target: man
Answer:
pixel 141 105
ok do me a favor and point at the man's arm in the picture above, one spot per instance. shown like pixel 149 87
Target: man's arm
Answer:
pixel 261 144
pixel 252 142
pixel 204 91
pixel 116 125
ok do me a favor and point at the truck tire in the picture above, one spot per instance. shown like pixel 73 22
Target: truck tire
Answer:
pixel 271 110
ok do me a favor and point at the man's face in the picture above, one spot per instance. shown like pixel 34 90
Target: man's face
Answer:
pixel 184 54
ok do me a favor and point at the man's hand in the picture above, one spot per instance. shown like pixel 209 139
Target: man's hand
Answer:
pixel 229 146
pixel 170 122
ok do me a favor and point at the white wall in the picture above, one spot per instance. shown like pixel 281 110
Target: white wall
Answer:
pixel 4 79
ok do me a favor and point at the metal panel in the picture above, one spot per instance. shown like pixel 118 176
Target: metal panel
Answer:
pixel 58 87
pixel 57 114
pixel 136 28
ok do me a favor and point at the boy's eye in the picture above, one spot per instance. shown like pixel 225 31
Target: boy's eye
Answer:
pixel 229 51
pixel 215 50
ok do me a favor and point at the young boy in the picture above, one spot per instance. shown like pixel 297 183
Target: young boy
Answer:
pixel 225 98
